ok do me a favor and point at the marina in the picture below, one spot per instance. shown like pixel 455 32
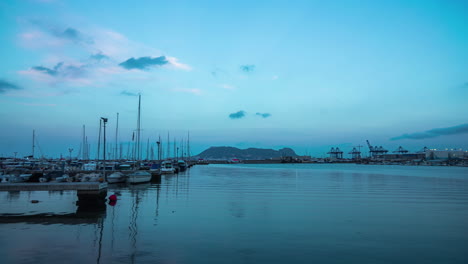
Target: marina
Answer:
pixel 243 132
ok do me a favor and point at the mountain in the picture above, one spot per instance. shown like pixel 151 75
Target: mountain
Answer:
pixel 226 153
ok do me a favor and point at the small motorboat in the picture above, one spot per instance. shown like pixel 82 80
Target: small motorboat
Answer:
pixel 116 177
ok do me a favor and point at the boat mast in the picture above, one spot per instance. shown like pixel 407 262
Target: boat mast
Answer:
pixel 188 145
pixel 159 148
pixel 116 137
pixel 33 139
pixel 104 121
pixel 88 147
pixel 138 129
pixel 99 140
pixel 83 150
pixel 168 146
pixel 147 150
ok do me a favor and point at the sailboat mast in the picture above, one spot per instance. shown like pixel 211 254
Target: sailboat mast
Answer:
pixel 159 148
pixel 33 139
pixel 116 138
pixel 138 129
pixel 168 146
pixel 83 150
pixel 99 140
pixel 188 145
pixel 147 150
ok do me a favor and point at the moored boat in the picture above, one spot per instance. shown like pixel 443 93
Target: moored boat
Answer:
pixel 182 165
pixel 167 167
pixel 116 177
pixel 139 176
pixel 155 169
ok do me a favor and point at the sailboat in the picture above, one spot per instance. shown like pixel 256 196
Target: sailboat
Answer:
pixel 138 176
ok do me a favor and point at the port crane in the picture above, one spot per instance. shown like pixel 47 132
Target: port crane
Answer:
pixel 356 154
pixel 336 153
pixel 374 150
pixel 400 150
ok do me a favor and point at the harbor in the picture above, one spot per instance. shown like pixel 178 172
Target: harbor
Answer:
pixel 234 132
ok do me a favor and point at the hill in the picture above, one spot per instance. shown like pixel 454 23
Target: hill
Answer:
pixel 227 153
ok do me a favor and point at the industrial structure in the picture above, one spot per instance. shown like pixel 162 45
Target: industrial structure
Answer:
pixel 335 153
pixel 356 154
pixel 374 150
pixel 400 150
pixel 449 154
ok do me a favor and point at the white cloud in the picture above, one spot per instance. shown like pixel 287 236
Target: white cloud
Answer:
pixel 186 90
pixel 228 86
pixel 175 62
pixel 112 45
pixel 39 39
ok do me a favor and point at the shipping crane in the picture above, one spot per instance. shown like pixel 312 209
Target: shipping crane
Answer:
pixel 356 154
pixel 335 153
pixel 374 151
pixel 400 150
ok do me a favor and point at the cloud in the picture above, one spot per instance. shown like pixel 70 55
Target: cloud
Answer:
pixel 77 74
pixel 5 86
pixel 176 64
pixel 143 63
pixel 264 115
pixel 228 86
pixel 72 35
pixel 237 115
pixel 98 56
pixel 51 72
pixel 218 73
pixel 68 34
pixel 127 93
pixel 185 90
pixel 77 57
pixel 247 68
pixel 61 70
pixel 436 132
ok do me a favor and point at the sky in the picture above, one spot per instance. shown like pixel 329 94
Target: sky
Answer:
pixel 309 75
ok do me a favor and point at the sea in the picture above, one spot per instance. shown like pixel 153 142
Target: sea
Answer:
pixel 251 213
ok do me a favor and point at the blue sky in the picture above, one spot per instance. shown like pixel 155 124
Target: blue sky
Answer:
pixel 303 74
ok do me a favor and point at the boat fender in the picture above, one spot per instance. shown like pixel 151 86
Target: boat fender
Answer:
pixel 113 198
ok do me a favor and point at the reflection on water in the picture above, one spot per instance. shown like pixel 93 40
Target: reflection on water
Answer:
pixel 250 214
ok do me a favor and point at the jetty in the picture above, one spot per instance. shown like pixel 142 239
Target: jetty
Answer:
pixel 90 194
pixel 54 186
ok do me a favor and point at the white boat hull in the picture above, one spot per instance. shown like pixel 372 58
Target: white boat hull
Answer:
pixel 116 177
pixel 139 177
pixel 167 171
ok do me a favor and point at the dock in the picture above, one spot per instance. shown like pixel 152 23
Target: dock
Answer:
pixel 54 186
pixel 91 195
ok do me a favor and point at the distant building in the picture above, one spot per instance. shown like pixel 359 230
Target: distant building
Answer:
pixel 433 154
pixel 304 158
pixel 406 156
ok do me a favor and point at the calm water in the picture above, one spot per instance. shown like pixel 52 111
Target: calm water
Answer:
pixel 285 213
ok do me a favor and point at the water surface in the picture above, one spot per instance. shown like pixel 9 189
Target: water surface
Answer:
pixel 277 213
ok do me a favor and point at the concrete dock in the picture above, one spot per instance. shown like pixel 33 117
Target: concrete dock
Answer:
pixel 91 195
pixel 54 186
